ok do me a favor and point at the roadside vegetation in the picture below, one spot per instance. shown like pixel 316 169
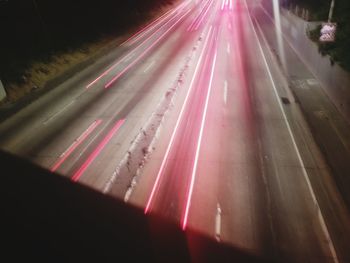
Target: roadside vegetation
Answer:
pixel 318 10
pixel 41 39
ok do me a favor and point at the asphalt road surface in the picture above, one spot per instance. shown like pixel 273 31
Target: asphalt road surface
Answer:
pixel 233 156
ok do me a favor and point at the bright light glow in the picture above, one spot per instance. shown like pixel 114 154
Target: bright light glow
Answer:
pixel 195 164
pixel 143 31
pixel 144 52
pixel 97 151
pixel 165 16
pixel 74 145
pixel 205 13
pixel 276 12
pixel 160 172
pixel 198 20
pixel 218 223
pixel 128 54
pixel 225 91
pixel 305 173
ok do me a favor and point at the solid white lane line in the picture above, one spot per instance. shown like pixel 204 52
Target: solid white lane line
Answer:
pixel 116 77
pixel 149 66
pixel 218 223
pixel 74 145
pixel 306 176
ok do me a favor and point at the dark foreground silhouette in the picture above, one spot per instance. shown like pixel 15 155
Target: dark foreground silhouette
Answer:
pixel 47 218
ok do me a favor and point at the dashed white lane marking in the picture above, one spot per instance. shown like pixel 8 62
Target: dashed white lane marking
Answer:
pixel 225 91
pixel 129 56
pixel 218 223
pixel 58 113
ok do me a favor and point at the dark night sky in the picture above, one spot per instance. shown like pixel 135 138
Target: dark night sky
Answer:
pixel 35 28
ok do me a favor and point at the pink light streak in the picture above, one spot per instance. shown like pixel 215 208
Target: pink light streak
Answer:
pixel 74 145
pixel 97 151
pixel 128 54
pixel 143 53
pixel 195 164
pixel 223 4
pixel 137 35
pixel 161 169
pixel 205 13
pixel 195 21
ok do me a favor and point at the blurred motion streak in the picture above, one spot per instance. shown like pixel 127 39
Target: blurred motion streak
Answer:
pixel 199 19
pixel 144 52
pixel 97 151
pixel 129 53
pixel 194 168
pixel 75 144
pixel 174 133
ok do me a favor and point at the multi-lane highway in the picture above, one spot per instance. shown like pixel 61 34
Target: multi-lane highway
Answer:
pixel 192 118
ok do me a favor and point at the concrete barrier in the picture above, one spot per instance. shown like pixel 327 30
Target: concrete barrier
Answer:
pixel 2 92
pixel 334 79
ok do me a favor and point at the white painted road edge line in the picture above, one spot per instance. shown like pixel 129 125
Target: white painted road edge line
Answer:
pixel 306 176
